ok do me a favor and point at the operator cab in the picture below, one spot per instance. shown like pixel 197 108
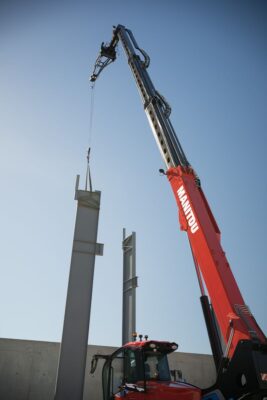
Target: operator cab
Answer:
pixel 132 367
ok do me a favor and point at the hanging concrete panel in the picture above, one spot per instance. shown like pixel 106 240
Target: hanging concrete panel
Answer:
pixel 72 361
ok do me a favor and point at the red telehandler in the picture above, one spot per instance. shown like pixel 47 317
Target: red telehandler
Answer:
pixel 139 370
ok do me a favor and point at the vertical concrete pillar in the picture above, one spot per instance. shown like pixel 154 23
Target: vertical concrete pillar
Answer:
pixel 73 350
pixel 129 287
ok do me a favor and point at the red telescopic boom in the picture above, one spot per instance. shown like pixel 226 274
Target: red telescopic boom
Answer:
pixel 234 318
pixel 242 364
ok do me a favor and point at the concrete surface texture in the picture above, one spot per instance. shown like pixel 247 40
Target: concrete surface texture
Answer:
pixel 72 361
pixel 28 369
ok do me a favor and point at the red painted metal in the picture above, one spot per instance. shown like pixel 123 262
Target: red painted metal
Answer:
pixel 159 390
pixel 166 347
pixel 198 221
pixel 167 391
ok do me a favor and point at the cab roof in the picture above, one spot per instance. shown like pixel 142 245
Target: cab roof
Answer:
pixel 153 345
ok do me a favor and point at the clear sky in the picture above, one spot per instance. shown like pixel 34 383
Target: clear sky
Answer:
pixel 209 59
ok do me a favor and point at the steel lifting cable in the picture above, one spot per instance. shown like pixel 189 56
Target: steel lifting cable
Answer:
pixel 91 111
pixel 88 180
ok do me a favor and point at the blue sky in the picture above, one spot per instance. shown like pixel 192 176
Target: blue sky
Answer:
pixel 208 58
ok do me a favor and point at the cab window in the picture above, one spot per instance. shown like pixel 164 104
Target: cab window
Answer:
pixel 156 366
pixel 134 371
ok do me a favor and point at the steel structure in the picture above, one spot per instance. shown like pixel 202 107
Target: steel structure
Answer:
pixel 129 287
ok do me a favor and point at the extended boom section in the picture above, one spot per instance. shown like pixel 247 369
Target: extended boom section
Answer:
pixel 242 367
pixel 156 107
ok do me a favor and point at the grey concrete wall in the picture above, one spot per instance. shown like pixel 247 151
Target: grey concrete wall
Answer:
pixel 197 369
pixel 28 369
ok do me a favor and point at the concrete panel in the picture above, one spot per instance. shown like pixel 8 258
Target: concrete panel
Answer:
pixel 129 287
pixel 73 350
pixel 198 369
pixel 28 370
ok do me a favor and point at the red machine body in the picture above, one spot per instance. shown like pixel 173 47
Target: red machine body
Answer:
pixel 167 391
pixel 238 344
pixel 140 371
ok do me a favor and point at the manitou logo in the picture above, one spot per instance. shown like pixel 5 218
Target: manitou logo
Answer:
pixel 189 215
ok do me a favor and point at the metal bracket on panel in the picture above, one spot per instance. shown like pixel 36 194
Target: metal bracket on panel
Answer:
pixel 80 246
pixel 130 284
pixel 77 185
pixel 99 249
pixel 125 244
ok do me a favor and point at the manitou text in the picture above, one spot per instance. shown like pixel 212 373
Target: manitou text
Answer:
pixel 189 215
